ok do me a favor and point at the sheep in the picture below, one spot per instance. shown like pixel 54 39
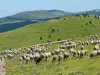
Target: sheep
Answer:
pixel 98 52
pixel 81 53
pixel 93 54
pixel 85 52
pixel 68 47
pixel 65 56
pixel 5 56
pixel 43 50
pixel 1 58
pixel 60 57
pixel 96 47
pixel 62 50
pixel 87 42
pixel 40 58
pixel 16 52
pixel 21 59
pixel 53 53
pixel 10 56
pixel 31 57
pixel 62 47
pixel 82 47
pixel 74 52
pixel 91 42
pixel 54 58
pixel 47 55
pixel 56 51
pixel 27 59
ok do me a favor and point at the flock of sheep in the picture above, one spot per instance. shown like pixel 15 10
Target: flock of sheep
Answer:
pixel 67 48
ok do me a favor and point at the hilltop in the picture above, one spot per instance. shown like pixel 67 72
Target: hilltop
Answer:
pixel 39 14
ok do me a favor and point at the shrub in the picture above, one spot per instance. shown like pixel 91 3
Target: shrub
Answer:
pixel 90 22
pixel 58 30
pixel 64 19
pixel 49 36
pixel 52 30
pixel 40 38
pixel 86 23
pixel 58 39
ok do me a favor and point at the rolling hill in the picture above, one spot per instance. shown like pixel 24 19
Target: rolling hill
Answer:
pixel 52 30
pixel 39 14
pixel 63 28
pixel 24 18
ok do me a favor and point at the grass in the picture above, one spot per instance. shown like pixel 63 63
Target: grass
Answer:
pixel 64 29
pixel 72 66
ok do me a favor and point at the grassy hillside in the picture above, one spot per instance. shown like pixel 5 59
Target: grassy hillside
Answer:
pixel 72 66
pixel 63 28
pixel 4 27
pixel 56 29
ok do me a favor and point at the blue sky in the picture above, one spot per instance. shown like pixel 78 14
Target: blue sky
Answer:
pixel 10 7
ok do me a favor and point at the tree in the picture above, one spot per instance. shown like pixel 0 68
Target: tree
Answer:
pixel 77 15
pixel 85 14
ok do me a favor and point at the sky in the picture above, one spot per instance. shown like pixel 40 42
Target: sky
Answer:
pixel 10 7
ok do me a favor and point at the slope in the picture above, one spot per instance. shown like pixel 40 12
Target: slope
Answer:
pixel 51 30
pixel 72 66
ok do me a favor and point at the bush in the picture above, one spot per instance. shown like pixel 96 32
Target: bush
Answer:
pixel 58 30
pixel 58 39
pixel 70 17
pixel 64 19
pixel 53 30
pixel 40 38
pixel 90 22
pixel 86 23
pixel 49 36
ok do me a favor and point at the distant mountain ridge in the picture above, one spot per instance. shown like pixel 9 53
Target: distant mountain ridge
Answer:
pixel 39 14
pixel 91 12
pixel 29 17
pixel 9 23
pixel 55 10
